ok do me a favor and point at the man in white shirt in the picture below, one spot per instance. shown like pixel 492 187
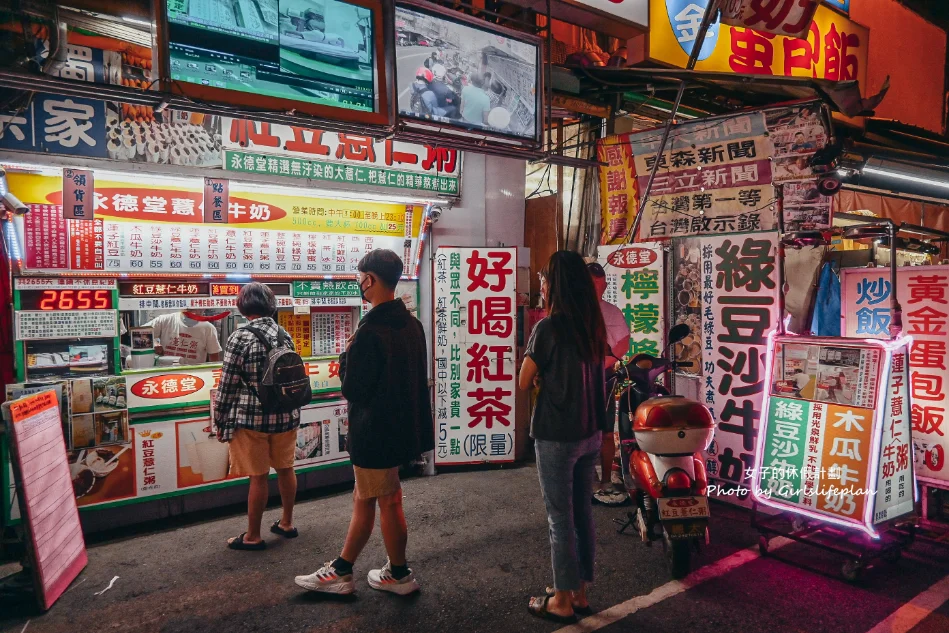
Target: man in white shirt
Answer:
pixel 192 340
pixel 617 335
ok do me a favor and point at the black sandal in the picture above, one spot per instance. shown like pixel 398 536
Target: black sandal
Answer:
pixel 538 608
pixel 584 611
pixel 238 543
pixel 276 529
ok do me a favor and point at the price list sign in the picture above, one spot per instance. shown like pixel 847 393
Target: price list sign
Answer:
pixel 330 330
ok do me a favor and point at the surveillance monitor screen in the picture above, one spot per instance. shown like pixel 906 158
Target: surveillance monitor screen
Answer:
pixel 314 51
pixel 469 77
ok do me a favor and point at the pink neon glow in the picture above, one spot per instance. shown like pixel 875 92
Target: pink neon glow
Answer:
pixel 867 524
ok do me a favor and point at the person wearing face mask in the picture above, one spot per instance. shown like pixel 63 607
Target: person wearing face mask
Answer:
pixel 180 334
pixel 385 381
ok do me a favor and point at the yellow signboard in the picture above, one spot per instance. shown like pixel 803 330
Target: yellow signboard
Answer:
pixel 836 47
pixel 617 189
pixel 126 201
pixel 298 327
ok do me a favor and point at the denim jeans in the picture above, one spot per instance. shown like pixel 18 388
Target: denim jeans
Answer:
pixel 567 477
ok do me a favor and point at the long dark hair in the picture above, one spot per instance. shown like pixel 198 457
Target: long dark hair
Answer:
pixel 573 305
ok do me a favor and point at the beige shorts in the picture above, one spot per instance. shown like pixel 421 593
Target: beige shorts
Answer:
pixel 255 453
pixel 376 482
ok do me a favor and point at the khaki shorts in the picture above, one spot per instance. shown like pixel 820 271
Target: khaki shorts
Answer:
pixel 376 482
pixel 255 453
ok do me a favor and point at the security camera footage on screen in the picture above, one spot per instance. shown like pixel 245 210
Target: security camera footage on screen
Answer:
pixel 459 74
pixel 315 51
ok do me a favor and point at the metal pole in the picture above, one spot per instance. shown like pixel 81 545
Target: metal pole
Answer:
pixel 896 312
pixel 779 193
pixel 707 19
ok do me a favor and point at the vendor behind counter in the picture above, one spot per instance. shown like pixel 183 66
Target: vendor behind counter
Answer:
pixel 193 340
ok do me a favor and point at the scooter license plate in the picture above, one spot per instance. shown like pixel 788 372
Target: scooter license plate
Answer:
pixel 671 508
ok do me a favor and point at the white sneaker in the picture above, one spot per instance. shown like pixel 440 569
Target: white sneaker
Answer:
pixel 326 580
pixel 383 580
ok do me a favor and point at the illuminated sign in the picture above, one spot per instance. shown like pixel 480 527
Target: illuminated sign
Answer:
pixel 137 289
pixel 835 48
pixel 65 299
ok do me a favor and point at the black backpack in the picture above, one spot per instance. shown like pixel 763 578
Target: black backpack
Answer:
pixel 284 384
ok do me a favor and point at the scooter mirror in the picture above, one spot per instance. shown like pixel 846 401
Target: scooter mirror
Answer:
pixel 679 332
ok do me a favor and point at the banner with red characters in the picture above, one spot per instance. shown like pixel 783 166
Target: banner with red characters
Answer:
pixel 475 339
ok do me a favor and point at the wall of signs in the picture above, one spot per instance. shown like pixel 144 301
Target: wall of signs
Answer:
pixel 836 48
pixel 739 308
pixel 634 284
pixel 157 228
pixel 475 347
pixel 819 450
pixel 924 296
pixel 716 176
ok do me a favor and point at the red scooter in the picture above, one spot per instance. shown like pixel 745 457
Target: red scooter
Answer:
pixel 662 464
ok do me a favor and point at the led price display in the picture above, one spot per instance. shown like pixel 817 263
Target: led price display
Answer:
pixel 65 299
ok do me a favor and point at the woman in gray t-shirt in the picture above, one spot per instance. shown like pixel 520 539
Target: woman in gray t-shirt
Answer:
pixel 565 358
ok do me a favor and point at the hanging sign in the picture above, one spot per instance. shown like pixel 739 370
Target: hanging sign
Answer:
pixel 778 17
pixel 634 284
pixel 78 194
pixel 216 201
pixel 617 189
pixel 924 295
pixel 297 152
pixel 712 178
pixel 475 341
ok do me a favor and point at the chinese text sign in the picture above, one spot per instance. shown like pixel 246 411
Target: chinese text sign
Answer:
pixel 475 346
pixel 739 308
pixel 634 284
pixel 924 295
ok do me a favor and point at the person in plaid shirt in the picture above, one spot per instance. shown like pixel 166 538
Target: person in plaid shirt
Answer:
pixel 258 440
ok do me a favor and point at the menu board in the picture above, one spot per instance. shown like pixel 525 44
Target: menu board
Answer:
pixel 52 519
pixel 198 248
pixel 330 331
pixel 36 324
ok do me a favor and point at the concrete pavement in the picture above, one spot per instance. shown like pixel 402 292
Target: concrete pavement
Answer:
pixel 478 544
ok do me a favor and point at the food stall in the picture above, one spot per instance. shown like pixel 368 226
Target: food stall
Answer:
pixel 126 312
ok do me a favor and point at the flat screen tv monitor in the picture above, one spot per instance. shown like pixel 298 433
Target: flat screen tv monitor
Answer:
pixel 466 73
pixel 319 57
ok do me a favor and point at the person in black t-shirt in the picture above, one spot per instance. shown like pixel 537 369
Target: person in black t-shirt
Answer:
pixel 564 358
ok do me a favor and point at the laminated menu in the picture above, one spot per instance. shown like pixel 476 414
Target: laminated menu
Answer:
pixel 47 499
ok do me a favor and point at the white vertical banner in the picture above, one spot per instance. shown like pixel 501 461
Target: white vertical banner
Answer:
pixel 475 339
pixel 634 284
pixel 740 307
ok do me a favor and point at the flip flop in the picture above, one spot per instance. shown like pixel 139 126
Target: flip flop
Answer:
pixel 538 608
pixel 276 529
pixel 584 611
pixel 238 543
